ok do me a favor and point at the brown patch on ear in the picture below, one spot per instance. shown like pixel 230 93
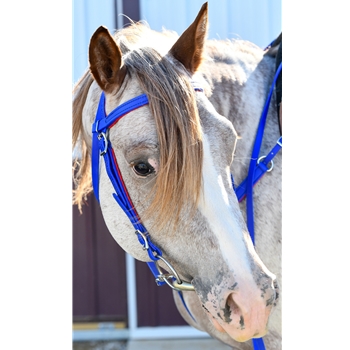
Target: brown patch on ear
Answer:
pixel 188 49
pixel 105 60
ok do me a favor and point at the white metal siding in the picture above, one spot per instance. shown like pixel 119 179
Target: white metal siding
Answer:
pixel 88 15
pixel 257 21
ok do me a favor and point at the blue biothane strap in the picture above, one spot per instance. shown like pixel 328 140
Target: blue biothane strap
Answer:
pixel 258 344
pixel 154 270
pixel 184 304
pixel 102 122
pixel 101 146
pixel 255 156
pixel 122 110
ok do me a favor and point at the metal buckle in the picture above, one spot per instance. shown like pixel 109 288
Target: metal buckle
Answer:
pixel 146 245
pixel 104 136
pixel 96 128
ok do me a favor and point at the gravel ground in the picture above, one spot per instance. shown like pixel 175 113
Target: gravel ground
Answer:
pixel 165 344
pixel 100 345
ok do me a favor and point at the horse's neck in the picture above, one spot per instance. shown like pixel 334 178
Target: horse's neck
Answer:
pixel 240 82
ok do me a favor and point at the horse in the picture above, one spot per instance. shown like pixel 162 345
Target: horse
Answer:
pixel 164 126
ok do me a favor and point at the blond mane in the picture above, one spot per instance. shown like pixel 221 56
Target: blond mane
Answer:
pixel 82 183
pixel 173 105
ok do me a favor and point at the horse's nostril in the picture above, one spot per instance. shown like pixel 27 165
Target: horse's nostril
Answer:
pixel 230 308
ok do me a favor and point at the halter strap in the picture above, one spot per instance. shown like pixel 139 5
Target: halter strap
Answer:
pixel 101 146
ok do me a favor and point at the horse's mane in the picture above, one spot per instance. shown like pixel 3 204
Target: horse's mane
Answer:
pixel 173 105
pixel 82 182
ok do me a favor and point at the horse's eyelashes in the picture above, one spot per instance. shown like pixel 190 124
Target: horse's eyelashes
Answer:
pixel 142 168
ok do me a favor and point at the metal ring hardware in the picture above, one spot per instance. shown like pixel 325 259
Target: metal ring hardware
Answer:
pixel 271 162
pixel 178 284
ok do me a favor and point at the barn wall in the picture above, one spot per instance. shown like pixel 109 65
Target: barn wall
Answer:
pixel 257 21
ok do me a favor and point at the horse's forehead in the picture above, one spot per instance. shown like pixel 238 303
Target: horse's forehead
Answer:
pixel 134 129
pixel 139 125
pixel 130 89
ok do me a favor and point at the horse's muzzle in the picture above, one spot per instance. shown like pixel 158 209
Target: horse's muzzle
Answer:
pixel 244 313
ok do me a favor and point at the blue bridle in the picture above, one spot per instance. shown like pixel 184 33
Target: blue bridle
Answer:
pixel 101 146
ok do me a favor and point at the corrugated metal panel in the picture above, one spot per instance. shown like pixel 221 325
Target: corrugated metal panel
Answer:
pixel 256 21
pixel 99 271
pixel 88 15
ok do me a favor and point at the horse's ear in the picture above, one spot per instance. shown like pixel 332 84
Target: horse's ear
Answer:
pixel 189 48
pixel 105 60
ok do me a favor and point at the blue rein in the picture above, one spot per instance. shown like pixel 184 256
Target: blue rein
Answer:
pixel 262 166
pixel 101 146
pixel 256 170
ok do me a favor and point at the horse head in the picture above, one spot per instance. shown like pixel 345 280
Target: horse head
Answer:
pixel 174 155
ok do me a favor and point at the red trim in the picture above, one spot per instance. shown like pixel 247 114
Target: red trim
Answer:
pixel 122 181
pixel 121 116
pixel 116 163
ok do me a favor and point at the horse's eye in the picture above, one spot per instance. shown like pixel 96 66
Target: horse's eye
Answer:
pixel 143 169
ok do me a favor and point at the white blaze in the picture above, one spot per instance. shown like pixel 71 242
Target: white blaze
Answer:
pixel 215 206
